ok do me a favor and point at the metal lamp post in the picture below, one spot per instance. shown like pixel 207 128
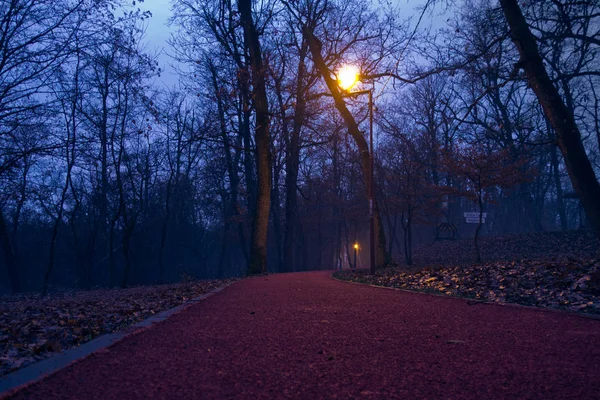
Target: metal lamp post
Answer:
pixel 348 76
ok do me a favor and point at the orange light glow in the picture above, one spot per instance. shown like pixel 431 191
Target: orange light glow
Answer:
pixel 347 76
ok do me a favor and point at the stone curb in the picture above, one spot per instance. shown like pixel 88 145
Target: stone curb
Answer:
pixel 481 302
pixel 44 368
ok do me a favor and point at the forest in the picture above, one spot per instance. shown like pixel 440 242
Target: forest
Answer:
pixel 257 161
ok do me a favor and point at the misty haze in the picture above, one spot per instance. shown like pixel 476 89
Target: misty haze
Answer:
pixel 209 196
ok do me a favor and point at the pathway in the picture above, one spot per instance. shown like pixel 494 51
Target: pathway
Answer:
pixel 308 336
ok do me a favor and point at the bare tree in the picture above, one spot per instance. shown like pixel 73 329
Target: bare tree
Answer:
pixel 568 135
pixel 258 247
pixel 482 170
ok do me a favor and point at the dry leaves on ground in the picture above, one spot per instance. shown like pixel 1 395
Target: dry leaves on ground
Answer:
pixel 570 285
pixel 33 328
pixel 550 270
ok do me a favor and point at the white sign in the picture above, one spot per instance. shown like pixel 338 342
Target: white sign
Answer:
pixel 474 215
pixel 475 220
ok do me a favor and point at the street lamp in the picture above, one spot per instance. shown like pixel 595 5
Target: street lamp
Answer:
pixel 347 77
pixel 355 251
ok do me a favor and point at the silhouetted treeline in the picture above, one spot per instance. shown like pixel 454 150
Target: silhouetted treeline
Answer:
pixel 105 179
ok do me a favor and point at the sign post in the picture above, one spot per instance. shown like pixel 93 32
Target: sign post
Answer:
pixel 473 217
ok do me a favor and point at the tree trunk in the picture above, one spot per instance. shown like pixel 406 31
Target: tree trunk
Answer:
pixel 347 243
pixel 276 215
pixel 251 189
pixel 407 228
pixel 392 229
pixel 560 202
pixel 478 229
pixel 19 207
pixel 381 256
pixel 9 256
pixel 85 270
pixel 126 244
pixel 568 136
pixel 291 165
pixel 260 224
pixel 336 211
pixel 112 264
pixel 163 233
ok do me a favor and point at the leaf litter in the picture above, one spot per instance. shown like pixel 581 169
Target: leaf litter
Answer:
pixel 549 270
pixel 33 328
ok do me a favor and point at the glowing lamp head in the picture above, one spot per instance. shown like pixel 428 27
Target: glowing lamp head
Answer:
pixel 355 246
pixel 347 76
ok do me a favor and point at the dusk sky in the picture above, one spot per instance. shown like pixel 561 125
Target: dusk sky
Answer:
pixel 157 34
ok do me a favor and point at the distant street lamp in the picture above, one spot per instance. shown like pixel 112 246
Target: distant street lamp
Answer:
pixel 347 77
pixel 355 251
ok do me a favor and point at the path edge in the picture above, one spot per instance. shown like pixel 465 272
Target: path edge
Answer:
pixel 481 302
pixel 15 381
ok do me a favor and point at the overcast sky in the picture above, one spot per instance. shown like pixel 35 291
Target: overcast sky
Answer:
pixel 157 34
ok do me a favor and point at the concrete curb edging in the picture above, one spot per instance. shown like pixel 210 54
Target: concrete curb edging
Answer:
pixel 481 302
pixel 39 370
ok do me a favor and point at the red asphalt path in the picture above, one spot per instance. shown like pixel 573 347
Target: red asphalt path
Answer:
pixel 308 336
